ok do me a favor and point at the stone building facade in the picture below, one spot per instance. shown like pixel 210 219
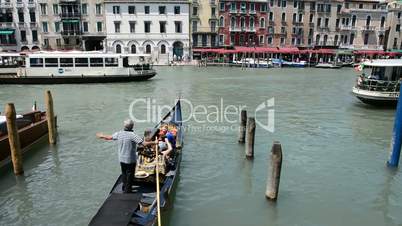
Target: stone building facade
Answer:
pixel 204 23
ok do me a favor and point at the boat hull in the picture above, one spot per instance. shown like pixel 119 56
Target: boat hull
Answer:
pixel 29 135
pixel 75 79
pixel 376 98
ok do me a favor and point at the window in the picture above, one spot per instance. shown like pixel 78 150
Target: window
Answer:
pixel 118 48
pixel 368 20
pixel 195 11
pixel 55 9
pixel 221 22
pixel 232 39
pixel 262 22
pixel 148 49
pixel 111 62
pixel 66 62
pixel 84 9
pixel 269 40
pixel 213 11
pixel 213 26
pixel 96 62
pixel 81 62
pixel 162 26
pixel 271 3
pixel 283 17
pixel 36 62
pixel 222 6
pixel 146 9
pixel 326 22
pixel 194 24
pixel 51 62
pixel 57 26
pixel 221 39
pixel 319 22
pixel 163 49
pixel 177 10
pixel 133 49
pixel 132 26
pixel 98 9
pixel 366 38
pixel 252 7
pixel 360 6
pixel 58 42
pixel 233 6
pixel 338 8
pixel 295 4
pixel 99 26
pixel 43 8
pixel 177 25
pixel 252 23
pixel 398 28
pixel 282 41
pixel 21 16
pixel 147 26
pixel 131 9
pixel 117 26
pixel 261 39
pixel 34 35
pixel 44 27
pixel 284 3
pixel 162 9
pixel 271 16
pixel 116 9
pixel 352 37
pixel 85 26
pixel 382 21
pixel 23 36
pixel 263 7
pixel 300 18
pixel 294 17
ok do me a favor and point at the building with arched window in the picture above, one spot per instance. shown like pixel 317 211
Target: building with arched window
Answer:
pixel 204 23
pixel 149 27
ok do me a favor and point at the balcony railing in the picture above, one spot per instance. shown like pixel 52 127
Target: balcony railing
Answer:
pixel 5 5
pixel 252 12
pixel 21 25
pixel 33 24
pixel 323 28
pixel 72 32
pixel 31 5
pixel 233 11
pixel 6 24
pixel 70 15
pixel 346 27
pixel 368 28
pixel 20 5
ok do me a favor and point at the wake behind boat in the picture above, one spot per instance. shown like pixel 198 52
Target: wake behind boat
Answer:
pixel 140 206
pixel 81 67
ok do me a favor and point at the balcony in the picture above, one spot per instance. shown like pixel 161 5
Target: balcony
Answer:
pixel 6 25
pixel 281 33
pixel 20 5
pixel 71 32
pixel 233 11
pixel 311 24
pixel 346 28
pixel 250 29
pixel 31 4
pixel 70 15
pixel 212 2
pixel 296 23
pixel 323 29
pixel 21 25
pixel 33 25
pixel 368 28
pixel 271 22
pixel 235 29
pixel 381 30
pixel 283 22
pixel 252 12
pixel 5 5
pixel 243 11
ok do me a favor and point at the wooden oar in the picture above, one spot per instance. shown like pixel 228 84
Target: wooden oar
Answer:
pixel 158 202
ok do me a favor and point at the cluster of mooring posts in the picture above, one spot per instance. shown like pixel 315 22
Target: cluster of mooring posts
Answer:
pixel 247 135
pixel 13 135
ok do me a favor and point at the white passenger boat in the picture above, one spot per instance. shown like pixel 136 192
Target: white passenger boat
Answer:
pixel 379 82
pixel 81 67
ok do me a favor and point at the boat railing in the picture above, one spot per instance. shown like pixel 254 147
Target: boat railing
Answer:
pixel 378 85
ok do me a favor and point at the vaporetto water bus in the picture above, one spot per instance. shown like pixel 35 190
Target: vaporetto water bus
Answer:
pixel 379 82
pixel 81 67
pixel 9 62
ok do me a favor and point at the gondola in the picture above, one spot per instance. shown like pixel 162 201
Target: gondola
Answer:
pixel 32 126
pixel 140 207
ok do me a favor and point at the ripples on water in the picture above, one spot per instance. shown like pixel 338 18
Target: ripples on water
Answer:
pixel 335 150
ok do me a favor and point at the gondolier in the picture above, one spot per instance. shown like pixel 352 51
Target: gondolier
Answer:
pixel 127 147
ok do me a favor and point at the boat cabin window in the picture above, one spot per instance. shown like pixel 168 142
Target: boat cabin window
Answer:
pixel 66 62
pixel 36 62
pixel 378 72
pixel 96 62
pixel 396 73
pixel 81 62
pixel 51 62
pixel 111 62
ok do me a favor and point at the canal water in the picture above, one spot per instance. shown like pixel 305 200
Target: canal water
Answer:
pixel 334 148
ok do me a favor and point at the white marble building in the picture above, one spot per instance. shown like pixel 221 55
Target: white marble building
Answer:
pixel 160 28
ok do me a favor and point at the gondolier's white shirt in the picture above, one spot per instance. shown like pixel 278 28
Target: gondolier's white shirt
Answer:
pixel 127 145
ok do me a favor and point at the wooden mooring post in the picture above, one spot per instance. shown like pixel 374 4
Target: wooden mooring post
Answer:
pixel 242 128
pixel 14 139
pixel 250 138
pixel 274 172
pixel 51 122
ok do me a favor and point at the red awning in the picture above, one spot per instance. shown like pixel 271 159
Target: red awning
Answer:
pixel 370 52
pixel 289 50
pixel 317 51
pixel 242 49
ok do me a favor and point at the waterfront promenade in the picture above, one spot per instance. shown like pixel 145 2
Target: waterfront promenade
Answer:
pixel 335 149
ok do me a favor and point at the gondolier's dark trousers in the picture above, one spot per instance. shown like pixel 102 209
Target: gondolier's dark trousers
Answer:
pixel 127 172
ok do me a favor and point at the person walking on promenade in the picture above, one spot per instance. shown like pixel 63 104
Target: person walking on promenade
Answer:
pixel 127 140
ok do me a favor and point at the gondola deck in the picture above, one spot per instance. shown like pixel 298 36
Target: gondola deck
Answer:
pixel 139 207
